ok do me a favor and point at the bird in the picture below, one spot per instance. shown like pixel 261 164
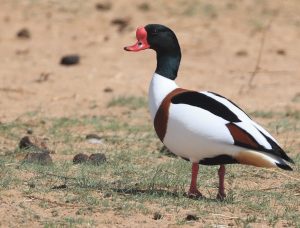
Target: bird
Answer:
pixel 201 127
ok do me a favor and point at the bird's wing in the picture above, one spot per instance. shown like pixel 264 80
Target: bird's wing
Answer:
pixel 235 127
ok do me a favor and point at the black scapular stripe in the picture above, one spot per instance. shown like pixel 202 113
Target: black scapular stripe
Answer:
pixel 234 104
pixel 205 102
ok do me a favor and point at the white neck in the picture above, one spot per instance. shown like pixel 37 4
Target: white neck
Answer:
pixel 159 88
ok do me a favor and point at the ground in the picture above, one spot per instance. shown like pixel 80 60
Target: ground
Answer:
pixel 248 51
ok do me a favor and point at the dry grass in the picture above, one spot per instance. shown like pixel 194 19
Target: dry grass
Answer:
pixel 137 179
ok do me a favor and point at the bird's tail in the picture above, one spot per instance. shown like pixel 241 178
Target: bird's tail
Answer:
pixel 261 159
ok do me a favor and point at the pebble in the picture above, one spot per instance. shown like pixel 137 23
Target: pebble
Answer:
pixel 97 159
pixel 103 6
pixel 25 143
pixel 144 6
pixel 62 186
pixel 68 60
pixel 241 53
pixel 93 138
pixel 39 158
pixel 281 52
pixel 23 33
pixel 191 217
pixel 122 23
pixel 108 90
pixel 157 216
pixel 80 158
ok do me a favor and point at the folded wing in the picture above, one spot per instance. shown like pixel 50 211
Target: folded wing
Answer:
pixel 242 129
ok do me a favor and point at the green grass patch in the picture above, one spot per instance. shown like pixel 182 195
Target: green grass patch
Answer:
pixel 138 178
pixel 131 102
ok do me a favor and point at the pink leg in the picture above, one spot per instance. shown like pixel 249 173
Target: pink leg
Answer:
pixel 194 192
pixel 221 172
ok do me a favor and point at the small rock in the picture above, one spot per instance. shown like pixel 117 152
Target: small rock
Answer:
pixel 108 90
pixel 70 60
pixel 97 159
pixel 144 6
pixel 43 77
pixel 54 213
pixel 6 19
pixel 241 53
pixel 25 143
pixel 157 216
pixel 93 138
pixel 80 158
pixel 107 195
pixel 103 6
pixel 106 38
pixel 39 158
pixel 29 131
pixel 191 217
pixel 31 185
pixel 22 51
pixel 62 186
pixel 122 23
pixel 79 212
pixel 74 37
pixel 23 33
pixel 281 52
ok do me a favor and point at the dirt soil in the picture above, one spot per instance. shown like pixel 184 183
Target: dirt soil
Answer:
pixel 222 42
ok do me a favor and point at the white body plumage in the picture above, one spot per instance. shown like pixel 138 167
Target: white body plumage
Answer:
pixel 195 133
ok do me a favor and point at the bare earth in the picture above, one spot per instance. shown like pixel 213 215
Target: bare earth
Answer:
pixel 220 40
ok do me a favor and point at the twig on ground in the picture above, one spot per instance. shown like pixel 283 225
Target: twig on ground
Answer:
pixel 225 216
pixel 270 188
pixel 259 57
pixel 13 90
pixel 54 202
pixel 10 164
pixel 58 98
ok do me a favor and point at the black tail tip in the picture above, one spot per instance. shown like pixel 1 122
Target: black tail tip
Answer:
pixel 284 166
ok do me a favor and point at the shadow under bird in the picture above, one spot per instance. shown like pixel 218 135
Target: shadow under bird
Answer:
pixel 201 127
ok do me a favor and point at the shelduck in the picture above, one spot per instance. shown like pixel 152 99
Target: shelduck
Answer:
pixel 201 127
